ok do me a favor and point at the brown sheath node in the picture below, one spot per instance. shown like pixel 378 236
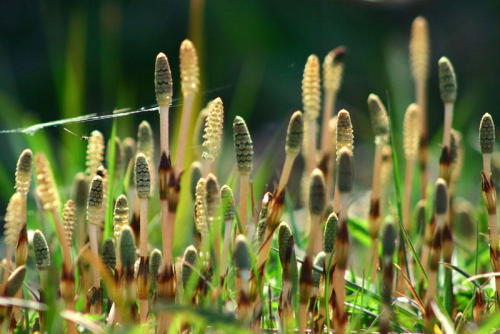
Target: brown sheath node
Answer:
pixel 323 164
pixel 143 278
pixel 166 282
pixel 342 246
pixel 306 280
pixel 169 182
pixel 374 216
pixel 135 224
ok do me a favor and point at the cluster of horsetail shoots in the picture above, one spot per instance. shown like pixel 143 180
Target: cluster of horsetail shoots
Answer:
pixel 222 266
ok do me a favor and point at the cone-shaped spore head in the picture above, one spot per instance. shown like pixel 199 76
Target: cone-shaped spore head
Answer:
pixel 487 134
pixel 345 170
pixel 345 135
pixel 163 80
pixel 285 243
pixel 317 192
pixel 142 176
pixel 447 81
pixel 378 115
pixel 23 171
pixel 227 199
pixel 126 246
pixel 241 253
pixel 108 253
pixel 330 233
pixel 389 240
pixel 190 71
pixel 295 133
pixel 41 249
pixel 243 145
pixel 441 197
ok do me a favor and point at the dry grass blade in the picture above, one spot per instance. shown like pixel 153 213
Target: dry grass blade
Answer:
pixel 80 319
pixel 22 303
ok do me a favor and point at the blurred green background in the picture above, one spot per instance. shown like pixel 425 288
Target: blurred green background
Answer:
pixel 61 59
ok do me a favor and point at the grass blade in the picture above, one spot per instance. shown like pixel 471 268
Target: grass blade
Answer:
pixel 397 186
pixel 108 225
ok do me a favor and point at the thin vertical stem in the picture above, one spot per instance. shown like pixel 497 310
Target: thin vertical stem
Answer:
pixel 164 144
pixel 183 134
pixel 244 180
pixel 407 193
pixel 329 104
pixel 285 173
pixel 143 246
pixel 377 163
pixel 311 146
pixel 166 237
pixel 375 210
pixel 375 260
pixel 225 247
pixel 448 118
pixel 143 307
pixel 336 199
pixel 315 236
pixel 94 247
pixel 421 97
pixel 487 165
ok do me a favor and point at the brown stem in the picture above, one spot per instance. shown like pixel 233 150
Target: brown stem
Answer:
pixel 143 307
pixel 302 317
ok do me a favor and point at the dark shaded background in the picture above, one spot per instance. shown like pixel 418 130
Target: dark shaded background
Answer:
pixel 66 58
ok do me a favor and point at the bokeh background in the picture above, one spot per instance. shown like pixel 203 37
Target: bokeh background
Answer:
pixel 61 59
